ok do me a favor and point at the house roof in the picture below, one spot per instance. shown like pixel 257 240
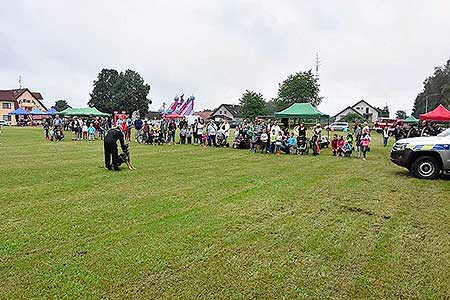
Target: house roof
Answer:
pixel 235 110
pixel 12 95
pixel 203 114
pixel 364 101
pixel 348 107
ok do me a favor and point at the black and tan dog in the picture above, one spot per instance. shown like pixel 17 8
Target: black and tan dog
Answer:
pixel 125 158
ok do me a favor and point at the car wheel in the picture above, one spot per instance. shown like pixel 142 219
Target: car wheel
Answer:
pixel 426 167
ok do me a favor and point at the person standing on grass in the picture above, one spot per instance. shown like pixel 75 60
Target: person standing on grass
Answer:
pixel 358 135
pixel 188 135
pixel 200 129
pixel 85 131
pixel 398 134
pixel 171 132
pixel 46 127
pixel 91 132
pixel 212 131
pixel 183 135
pixel 264 141
pixel 365 141
pixel 97 128
pixel 194 131
pixel 385 136
pixel 137 128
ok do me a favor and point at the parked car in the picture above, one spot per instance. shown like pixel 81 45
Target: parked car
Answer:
pixel 337 126
pixel 424 157
pixel 4 123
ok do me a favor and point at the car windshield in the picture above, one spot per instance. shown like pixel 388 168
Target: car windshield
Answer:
pixel 444 133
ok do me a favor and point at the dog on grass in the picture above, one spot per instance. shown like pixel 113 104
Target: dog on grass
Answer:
pixel 125 158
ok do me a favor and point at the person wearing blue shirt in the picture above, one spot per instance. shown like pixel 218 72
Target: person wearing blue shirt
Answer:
pixel 292 143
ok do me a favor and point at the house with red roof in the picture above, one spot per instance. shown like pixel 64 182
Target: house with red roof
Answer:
pixel 10 100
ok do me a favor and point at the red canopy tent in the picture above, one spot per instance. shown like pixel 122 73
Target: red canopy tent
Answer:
pixel 439 114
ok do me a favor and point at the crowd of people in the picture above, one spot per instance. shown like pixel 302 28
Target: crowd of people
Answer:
pixel 424 128
pixel 260 136
pixel 82 128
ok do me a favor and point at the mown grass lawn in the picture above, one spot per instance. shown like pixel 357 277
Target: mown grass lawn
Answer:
pixel 216 224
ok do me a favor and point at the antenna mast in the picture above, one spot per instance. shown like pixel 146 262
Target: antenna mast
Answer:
pixel 317 65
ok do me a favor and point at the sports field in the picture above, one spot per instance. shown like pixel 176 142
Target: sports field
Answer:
pixel 196 223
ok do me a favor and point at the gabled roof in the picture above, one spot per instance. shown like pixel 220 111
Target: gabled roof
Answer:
pixel 235 110
pixel 364 101
pixel 348 107
pixel 12 95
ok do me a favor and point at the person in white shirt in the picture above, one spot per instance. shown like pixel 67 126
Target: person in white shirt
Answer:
pixel 385 136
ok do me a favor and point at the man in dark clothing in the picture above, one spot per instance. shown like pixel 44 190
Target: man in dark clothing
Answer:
pixel 110 146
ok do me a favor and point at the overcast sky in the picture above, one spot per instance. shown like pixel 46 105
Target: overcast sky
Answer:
pixel 380 51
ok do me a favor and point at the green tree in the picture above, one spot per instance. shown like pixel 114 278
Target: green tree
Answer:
pixel 61 105
pixel 436 90
pixel 302 87
pixel 271 107
pixel 400 114
pixel 252 105
pixel 114 91
pixel 385 112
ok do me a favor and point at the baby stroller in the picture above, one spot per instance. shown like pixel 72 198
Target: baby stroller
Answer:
pixel 221 139
pixel 302 145
pixel 59 134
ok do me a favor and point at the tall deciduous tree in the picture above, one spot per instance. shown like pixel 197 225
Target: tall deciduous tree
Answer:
pixel 302 87
pixel 114 91
pixel 252 105
pixel 61 105
pixel 436 90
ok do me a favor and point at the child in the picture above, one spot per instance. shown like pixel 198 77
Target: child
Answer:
pixel 203 142
pixel 91 132
pixel 264 140
pixel 183 135
pixel 279 141
pixel 46 130
pixel 84 131
pixel 188 136
pixel 340 144
pixel 292 144
pixel 346 149
pixel 273 140
pixel 334 145
pixel 350 139
pixel 365 141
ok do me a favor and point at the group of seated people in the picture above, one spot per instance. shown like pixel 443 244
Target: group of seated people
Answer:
pixel 341 147
pixel 270 138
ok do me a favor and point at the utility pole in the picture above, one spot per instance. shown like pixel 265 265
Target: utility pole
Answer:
pixel 20 81
pixel 317 65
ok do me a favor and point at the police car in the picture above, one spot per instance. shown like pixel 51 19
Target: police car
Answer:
pixel 424 157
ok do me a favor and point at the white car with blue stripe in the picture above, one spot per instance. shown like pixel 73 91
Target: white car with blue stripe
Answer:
pixel 425 157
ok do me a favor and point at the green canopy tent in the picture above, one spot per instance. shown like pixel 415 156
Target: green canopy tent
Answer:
pixel 411 120
pixel 301 111
pixel 83 112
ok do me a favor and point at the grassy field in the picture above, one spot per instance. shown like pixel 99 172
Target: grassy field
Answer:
pixel 213 223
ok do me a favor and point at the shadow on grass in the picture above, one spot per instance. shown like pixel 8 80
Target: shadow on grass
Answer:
pixel 406 174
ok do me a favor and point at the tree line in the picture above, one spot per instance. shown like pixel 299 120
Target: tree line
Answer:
pixel 436 90
pixel 302 87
